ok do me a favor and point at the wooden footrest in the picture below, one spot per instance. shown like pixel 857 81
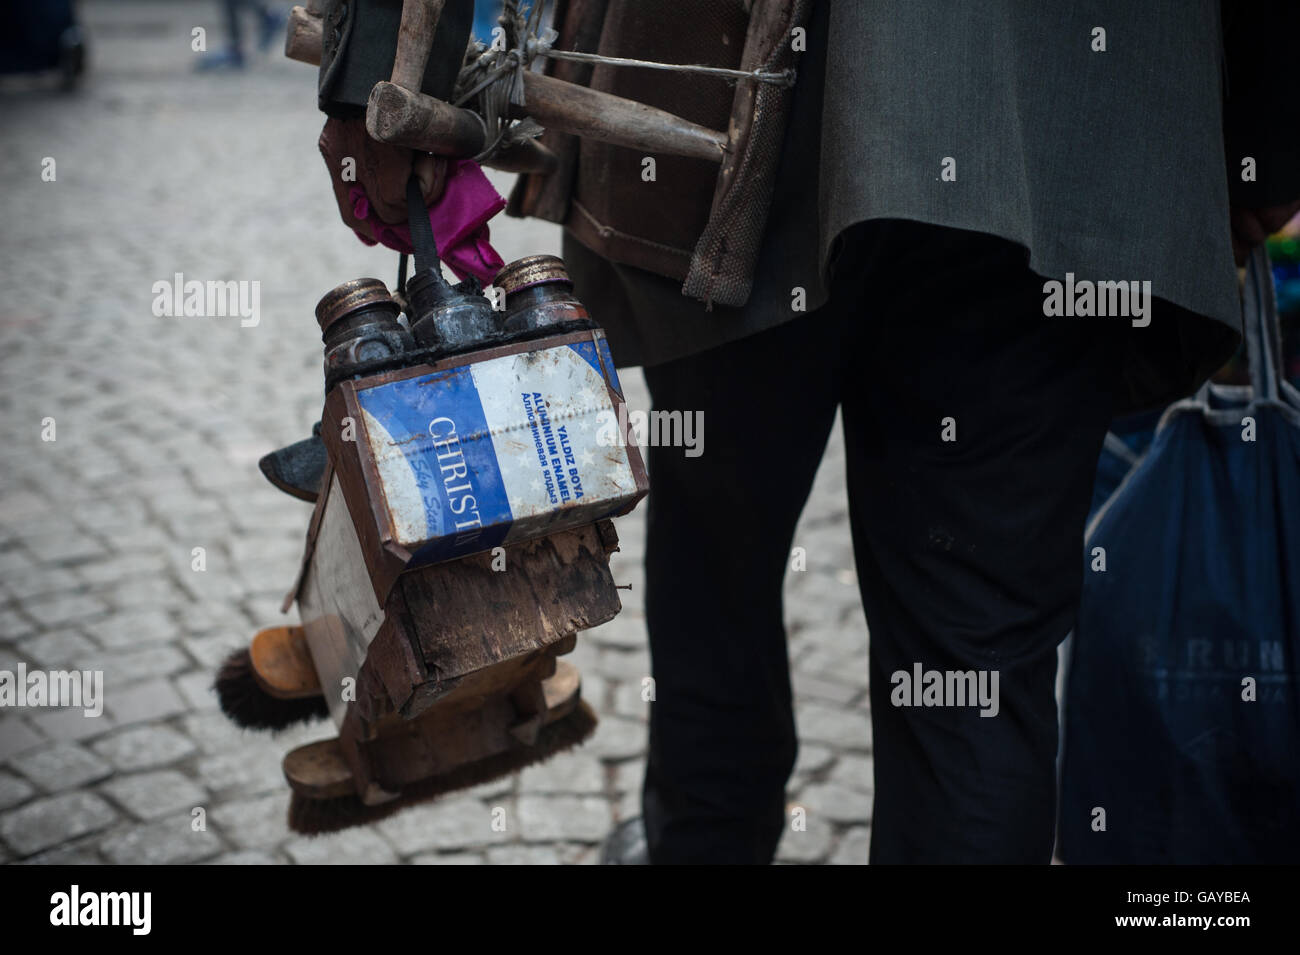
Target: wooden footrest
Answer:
pixel 320 771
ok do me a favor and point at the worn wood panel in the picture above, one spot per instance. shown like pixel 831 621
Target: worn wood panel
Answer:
pixel 336 601
pixel 468 617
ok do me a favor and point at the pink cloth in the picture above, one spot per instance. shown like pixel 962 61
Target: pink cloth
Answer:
pixel 459 219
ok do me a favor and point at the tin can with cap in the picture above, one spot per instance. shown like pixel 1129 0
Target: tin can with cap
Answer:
pixel 359 325
pixel 539 294
pixel 449 318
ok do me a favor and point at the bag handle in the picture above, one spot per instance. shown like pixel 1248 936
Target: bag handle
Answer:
pixel 1261 326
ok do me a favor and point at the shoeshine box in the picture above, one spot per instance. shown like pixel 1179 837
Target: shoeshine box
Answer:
pixel 458 457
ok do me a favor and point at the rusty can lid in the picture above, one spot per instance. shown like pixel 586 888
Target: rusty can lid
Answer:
pixel 529 271
pixel 350 297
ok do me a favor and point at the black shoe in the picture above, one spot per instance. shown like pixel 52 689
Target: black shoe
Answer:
pixel 626 845
pixel 298 468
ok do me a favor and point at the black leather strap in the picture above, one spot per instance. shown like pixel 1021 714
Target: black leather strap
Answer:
pixel 426 250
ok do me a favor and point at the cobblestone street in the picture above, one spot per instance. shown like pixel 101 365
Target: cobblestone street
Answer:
pixel 159 425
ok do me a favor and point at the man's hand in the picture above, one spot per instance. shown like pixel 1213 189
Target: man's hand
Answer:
pixel 1250 227
pixel 381 170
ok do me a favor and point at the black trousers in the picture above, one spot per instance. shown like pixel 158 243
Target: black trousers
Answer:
pixel 968 551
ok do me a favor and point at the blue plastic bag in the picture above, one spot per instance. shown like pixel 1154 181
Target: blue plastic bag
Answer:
pixel 1182 720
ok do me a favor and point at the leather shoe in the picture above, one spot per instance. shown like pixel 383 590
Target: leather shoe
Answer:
pixel 298 468
pixel 626 845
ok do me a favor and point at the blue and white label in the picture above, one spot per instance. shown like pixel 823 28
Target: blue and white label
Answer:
pixel 496 451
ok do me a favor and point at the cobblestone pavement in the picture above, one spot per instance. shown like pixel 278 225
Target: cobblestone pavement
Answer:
pixel 159 425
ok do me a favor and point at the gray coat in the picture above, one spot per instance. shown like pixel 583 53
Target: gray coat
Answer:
pixel 1108 164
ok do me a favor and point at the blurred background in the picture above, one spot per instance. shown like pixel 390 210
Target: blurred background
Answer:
pixel 167 160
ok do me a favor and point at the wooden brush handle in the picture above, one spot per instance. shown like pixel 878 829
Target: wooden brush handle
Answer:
pixel 305 35
pixel 607 118
pixel 414 41
pixel 404 118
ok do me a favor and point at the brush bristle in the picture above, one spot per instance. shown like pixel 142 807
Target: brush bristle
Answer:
pixel 251 707
pixel 314 817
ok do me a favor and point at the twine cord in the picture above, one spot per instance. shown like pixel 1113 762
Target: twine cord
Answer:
pixel 777 78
